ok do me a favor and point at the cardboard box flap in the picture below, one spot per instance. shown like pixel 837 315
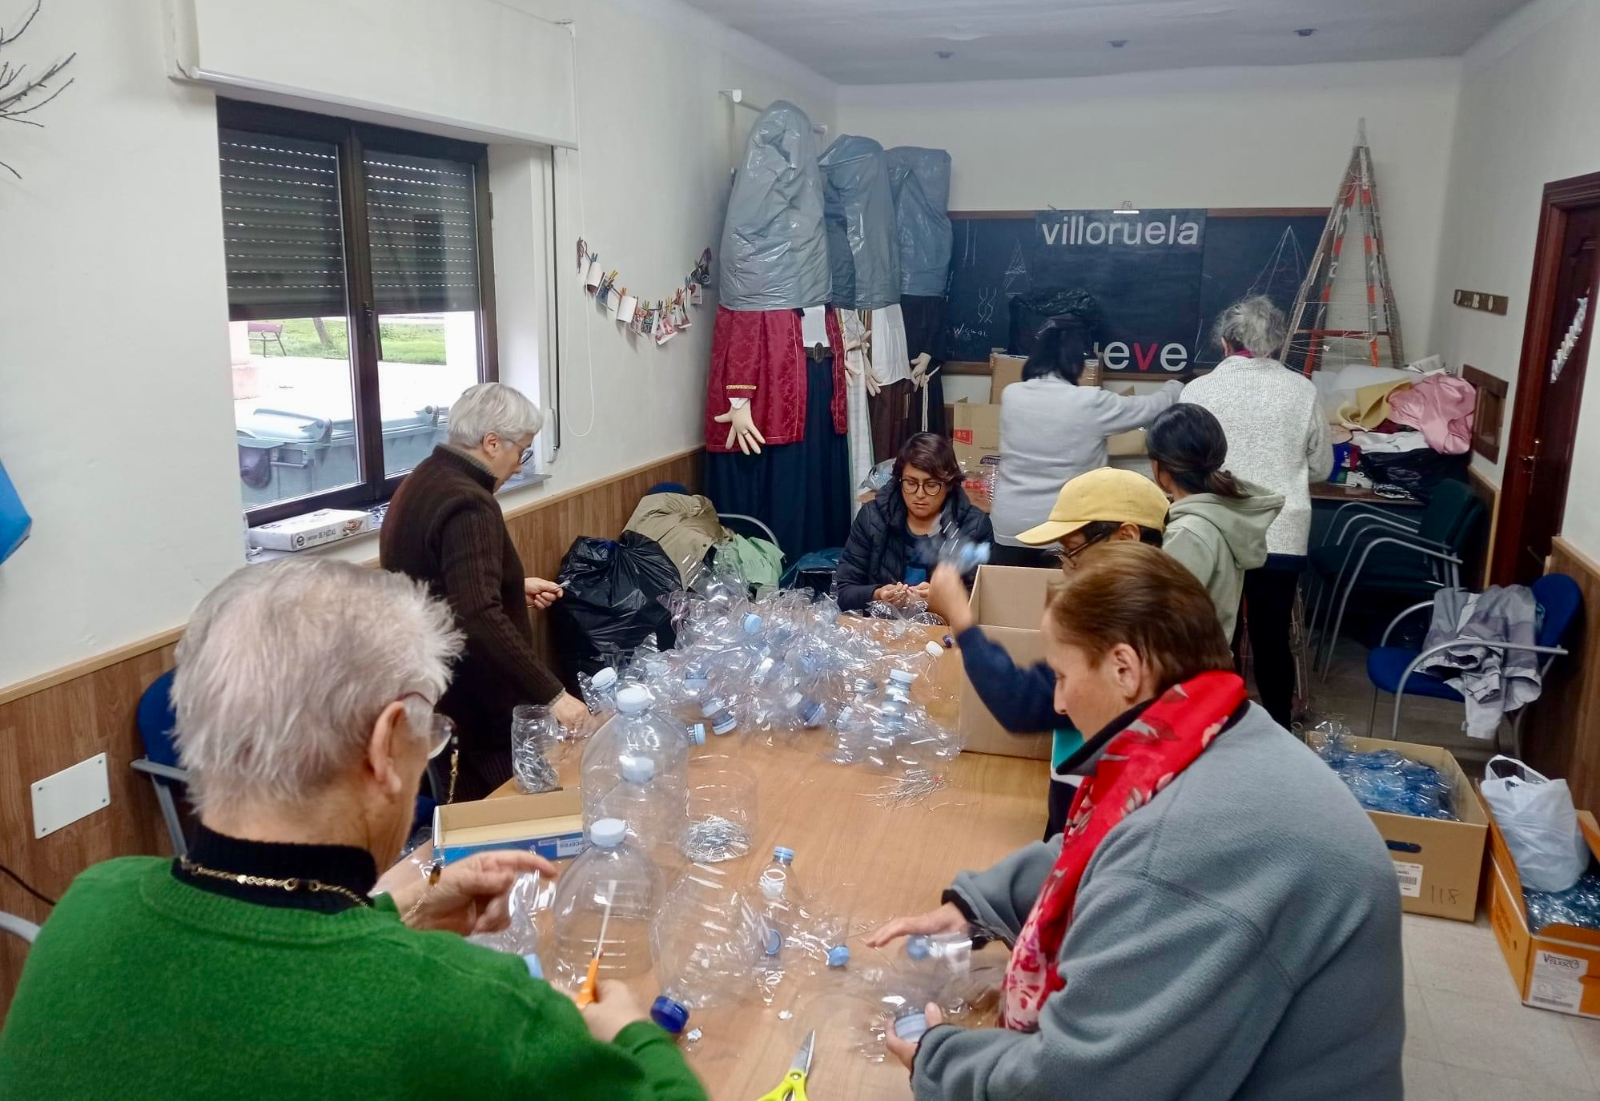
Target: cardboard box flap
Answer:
pixel 549 823
pixel 1506 868
pixel 1011 596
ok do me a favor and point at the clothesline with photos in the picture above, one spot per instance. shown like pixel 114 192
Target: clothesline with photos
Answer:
pixel 661 321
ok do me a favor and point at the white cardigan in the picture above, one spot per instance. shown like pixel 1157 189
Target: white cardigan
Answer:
pixel 1277 437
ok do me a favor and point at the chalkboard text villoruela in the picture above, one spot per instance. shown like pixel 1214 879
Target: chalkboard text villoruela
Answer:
pixel 1075 229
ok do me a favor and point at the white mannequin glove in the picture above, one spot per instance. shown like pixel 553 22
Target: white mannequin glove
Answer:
pixel 741 426
pixel 919 370
pixel 873 385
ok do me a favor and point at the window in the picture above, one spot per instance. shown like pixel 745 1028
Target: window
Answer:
pixel 360 301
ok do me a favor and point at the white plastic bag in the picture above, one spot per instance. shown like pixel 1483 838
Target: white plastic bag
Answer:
pixel 1539 823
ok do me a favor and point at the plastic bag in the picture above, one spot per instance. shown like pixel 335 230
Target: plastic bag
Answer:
pixel 774 253
pixel 1075 311
pixel 920 182
pixel 1539 822
pixel 611 602
pixel 858 212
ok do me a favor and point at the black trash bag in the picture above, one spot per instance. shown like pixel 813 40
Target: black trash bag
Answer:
pixel 1075 310
pixel 611 601
pixel 1418 471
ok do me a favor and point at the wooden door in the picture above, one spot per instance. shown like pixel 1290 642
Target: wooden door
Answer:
pixel 1566 277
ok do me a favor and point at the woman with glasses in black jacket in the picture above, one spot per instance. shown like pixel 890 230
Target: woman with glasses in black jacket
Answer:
pixel 893 543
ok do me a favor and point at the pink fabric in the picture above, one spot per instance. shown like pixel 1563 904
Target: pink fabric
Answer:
pixel 1441 406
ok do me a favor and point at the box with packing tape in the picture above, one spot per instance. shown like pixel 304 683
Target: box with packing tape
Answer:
pixel 549 823
pixel 326 525
pixel 1008 603
pixel 1556 967
pixel 1437 863
pixel 1003 371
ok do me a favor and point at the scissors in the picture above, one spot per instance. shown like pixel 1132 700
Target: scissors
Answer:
pixel 793 1086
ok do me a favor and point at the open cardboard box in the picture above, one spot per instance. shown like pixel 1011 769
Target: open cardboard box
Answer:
pixel 1008 603
pixel 1559 966
pixel 1003 371
pixel 549 823
pixel 1438 863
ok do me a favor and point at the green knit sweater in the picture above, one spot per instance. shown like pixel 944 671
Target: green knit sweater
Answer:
pixel 140 986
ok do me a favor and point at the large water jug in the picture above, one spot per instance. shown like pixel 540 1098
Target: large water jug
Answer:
pixel 707 941
pixel 606 898
pixel 634 769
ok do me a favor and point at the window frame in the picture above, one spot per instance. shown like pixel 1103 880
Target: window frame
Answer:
pixel 361 319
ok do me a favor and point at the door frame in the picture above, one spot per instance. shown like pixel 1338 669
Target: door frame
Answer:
pixel 1560 197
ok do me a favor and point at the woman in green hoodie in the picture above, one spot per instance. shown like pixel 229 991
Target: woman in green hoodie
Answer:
pixel 1217 526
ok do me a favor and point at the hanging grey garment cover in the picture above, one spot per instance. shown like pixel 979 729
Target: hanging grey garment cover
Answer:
pixel 774 255
pixel 862 250
pixel 920 180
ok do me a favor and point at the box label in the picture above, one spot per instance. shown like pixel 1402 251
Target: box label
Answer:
pixel 1556 982
pixel 961 435
pixel 1410 877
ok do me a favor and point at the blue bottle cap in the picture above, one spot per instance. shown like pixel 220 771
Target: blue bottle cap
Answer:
pixel 838 955
pixel 783 855
pixel 752 623
pixel 910 1023
pixel 919 948
pixel 772 942
pixel 670 1015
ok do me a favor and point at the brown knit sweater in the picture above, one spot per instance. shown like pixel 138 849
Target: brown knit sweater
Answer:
pixel 445 528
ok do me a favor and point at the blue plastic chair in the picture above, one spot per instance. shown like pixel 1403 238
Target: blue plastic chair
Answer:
pixel 160 761
pixel 1397 670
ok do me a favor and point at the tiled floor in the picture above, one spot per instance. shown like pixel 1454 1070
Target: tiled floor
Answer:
pixel 1468 1035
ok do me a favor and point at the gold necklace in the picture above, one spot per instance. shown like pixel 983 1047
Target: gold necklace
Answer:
pixel 313 885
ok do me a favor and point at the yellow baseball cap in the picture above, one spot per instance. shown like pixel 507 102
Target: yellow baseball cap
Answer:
pixel 1118 496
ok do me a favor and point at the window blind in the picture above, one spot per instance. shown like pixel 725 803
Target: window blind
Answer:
pixel 423 233
pixel 281 227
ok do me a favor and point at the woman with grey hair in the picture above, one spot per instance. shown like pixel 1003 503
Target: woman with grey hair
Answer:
pixel 445 528
pixel 1277 438
pixel 305 695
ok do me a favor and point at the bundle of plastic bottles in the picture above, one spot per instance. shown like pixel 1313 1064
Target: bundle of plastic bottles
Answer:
pixel 1383 780
pixel 1578 905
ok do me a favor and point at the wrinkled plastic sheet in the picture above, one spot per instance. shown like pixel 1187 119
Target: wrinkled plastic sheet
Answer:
pixel 863 252
pixel 920 182
pixel 774 253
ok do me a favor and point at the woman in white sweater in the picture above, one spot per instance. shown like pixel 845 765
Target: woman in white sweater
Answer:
pixel 1052 430
pixel 1277 439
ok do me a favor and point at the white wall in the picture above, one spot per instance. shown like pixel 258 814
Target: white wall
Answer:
pixel 1195 137
pixel 116 420
pixel 1527 117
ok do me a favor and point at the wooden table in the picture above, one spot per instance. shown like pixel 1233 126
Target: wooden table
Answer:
pixel 1329 491
pixel 868 862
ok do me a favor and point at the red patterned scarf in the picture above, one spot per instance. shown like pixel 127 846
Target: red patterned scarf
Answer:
pixel 1137 763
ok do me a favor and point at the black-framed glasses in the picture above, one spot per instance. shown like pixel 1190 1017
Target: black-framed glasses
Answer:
pixel 527 453
pixel 1066 555
pixel 930 487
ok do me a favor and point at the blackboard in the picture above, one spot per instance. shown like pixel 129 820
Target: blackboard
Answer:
pixel 997 256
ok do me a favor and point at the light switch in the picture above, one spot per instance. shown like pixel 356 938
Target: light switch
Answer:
pixel 73 793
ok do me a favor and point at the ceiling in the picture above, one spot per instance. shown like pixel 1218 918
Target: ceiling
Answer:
pixel 896 41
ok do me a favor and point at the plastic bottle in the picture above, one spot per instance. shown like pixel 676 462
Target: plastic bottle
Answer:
pixel 707 942
pixel 931 964
pixel 612 873
pixel 964 554
pixel 534 732
pixel 634 769
pixel 721 714
pixel 599 691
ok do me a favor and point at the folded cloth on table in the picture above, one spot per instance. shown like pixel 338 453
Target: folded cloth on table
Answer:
pixel 1371 405
pixel 1388 443
pixel 1494 681
pixel 1442 407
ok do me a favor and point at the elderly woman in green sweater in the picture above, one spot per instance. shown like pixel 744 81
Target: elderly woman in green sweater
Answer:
pixel 261 965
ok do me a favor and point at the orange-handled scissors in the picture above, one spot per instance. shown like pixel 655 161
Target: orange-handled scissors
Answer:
pixel 589 992
pixel 793 1086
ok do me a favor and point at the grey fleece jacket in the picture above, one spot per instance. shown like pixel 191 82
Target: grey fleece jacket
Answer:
pixel 1218 538
pixel 1237 938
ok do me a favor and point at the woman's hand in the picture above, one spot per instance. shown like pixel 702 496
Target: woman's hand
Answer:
pixel 946 919
pixel 570 712
pixel 614 1009
pixel 891 594
pixel 905 1050
pixel 470 896
pixel 947 598
pixel 540 593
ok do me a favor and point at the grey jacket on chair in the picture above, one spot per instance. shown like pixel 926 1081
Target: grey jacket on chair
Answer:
pixel 1237 938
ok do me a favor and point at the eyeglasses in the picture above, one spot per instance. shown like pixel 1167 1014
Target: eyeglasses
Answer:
pixel 929 488
pixel 527 453
pixel 441 729
pixel 1071 555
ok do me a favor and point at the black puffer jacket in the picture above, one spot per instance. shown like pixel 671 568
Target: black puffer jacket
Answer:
pixel 875 553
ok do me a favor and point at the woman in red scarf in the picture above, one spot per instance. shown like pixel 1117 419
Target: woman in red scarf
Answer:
pixel 1220 918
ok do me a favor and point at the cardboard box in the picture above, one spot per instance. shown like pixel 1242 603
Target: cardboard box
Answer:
pixel 1008 602
pixel 975 434
pixel 326 525
pixel 1003 371
pixel 1438 863
pixel 550 824
pixel 1126 444
pixel 1559 966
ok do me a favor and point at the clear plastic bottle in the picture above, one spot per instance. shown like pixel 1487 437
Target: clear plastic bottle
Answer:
pixel 964 554
pixel 721 714
pixel 599 691
pixel 634 769
pixel 931 966
pixel 534 734
pixel 707 942
pixel 615 875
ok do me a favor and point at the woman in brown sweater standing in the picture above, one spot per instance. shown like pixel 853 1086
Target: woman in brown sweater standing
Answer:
pixel 445 529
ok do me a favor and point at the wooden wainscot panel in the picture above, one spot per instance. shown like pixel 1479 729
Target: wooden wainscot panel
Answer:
pixel 1561 736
